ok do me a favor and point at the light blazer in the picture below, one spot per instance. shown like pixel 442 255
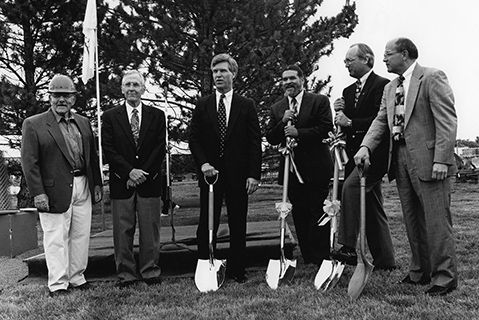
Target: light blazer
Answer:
pixel 430 121
pixel 47 164
pixel 362 116
pixel 242 148
pixel 123 155
pixel 314 121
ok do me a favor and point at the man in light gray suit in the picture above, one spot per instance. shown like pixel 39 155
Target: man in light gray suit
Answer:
pixel 417 112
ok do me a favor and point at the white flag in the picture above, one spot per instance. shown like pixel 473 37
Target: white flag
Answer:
pixel 89 30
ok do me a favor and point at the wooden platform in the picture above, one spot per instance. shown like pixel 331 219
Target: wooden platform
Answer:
pixel 262 244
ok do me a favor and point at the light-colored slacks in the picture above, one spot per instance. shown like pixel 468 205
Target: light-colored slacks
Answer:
pixel 66 238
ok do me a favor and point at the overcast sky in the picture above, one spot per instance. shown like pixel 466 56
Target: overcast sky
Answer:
pixel 446 33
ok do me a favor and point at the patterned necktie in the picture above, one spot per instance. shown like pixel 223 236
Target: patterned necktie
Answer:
pixel 357 93
pixel 222 123
pixel 294 107
pixel 398 121
pixel 135 125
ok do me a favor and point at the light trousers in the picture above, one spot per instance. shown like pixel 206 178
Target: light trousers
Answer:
pixel 66 238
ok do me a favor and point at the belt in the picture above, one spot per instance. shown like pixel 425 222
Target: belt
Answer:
pixel 79 172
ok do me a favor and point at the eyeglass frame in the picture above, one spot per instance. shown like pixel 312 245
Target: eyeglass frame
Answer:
pixel 59 95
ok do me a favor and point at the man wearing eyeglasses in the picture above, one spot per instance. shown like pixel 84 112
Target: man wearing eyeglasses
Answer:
pixel 355 111
pixel 417 115
pixel 61 168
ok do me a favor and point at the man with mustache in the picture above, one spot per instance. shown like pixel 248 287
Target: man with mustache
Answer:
pixel 311 119
pixel 61 167
pixel 134 145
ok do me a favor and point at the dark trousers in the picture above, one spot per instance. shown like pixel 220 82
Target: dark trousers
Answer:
pixel 236 199
pixel 377 227
pixel 126 212
pixel 308 201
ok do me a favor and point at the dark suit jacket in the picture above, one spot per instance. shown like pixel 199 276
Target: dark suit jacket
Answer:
pixel 314 121
pixel 47 164
pixel 242 149
pixel 122 154
pixel 430 125
pixel 362 116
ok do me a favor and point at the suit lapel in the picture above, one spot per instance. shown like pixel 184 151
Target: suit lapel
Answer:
pixel 145 123
pixel 304 110
pixel 125 123
pixel 364 91
pixel 57 135
pixel 211 109
pixel 234 113
pixel 412 92
pixel 82 126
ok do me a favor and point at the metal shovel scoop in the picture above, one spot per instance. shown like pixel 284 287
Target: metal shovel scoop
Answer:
pixel 364 267
pixel 282 271
pixel 330 270
pixel 210 273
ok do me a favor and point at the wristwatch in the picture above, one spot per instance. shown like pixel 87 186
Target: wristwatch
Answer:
pixel 350 123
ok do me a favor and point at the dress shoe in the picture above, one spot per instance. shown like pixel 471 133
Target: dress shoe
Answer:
pixel 238 278
pixel 153 281
pixel 58 293
pixel 346 255
pixel 125 283
pixel 407 280
pixel 389 269
pixel 439 291
pixel 86 286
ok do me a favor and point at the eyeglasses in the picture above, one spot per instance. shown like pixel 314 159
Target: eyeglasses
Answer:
pixel 58 95
pixel 349 60
pixel 389 54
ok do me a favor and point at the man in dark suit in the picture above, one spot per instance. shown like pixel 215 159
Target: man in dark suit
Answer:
pixel 418 109
pixel 235 155
pixel 312 120
pixel 355 112
pixel 60 164
pixel 134 145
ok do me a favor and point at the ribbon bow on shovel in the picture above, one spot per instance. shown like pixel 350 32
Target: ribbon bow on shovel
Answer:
pixel 331 270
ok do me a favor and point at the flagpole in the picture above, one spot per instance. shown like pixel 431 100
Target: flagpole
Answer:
pixel 98 114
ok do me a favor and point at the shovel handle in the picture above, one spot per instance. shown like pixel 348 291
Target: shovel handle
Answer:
pixel 211 203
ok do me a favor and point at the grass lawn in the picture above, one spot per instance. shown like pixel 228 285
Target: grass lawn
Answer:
pixel 178 298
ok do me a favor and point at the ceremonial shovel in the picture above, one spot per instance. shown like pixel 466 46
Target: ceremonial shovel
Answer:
pixel 210 273
pixel 282 271
pixel 364 268
pixel 331 270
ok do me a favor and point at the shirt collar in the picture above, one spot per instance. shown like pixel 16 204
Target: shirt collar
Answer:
pixel 365 77
pixel 58 117
pixel 408 73
pixel 228 95
pixel 298 97
pixel 129 108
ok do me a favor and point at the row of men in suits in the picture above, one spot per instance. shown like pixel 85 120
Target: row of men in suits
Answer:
pixel 225 140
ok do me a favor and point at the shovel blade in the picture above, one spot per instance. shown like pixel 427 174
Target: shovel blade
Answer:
pixel 280 272
pixel 210 276
pixel 338 271
pixel 324 273
pixel 358 280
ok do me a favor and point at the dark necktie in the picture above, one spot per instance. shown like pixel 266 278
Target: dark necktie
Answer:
pixel 294 107
pixel 135 125
pixel 222 123
pixel 357 93
pixel 399 109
